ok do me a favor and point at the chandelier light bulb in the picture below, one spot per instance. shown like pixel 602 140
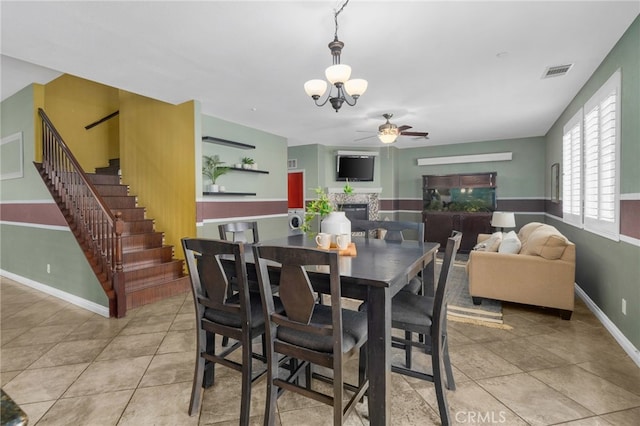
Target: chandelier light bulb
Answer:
pixel 338 73
pixel 315 88
pixel 356 87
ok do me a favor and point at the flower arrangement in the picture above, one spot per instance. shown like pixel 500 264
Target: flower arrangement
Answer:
pixel 322 206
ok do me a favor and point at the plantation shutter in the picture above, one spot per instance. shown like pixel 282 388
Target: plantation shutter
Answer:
pixel 572 170
pixel 601 136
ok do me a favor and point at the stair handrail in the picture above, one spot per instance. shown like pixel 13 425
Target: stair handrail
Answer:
pixel 102 228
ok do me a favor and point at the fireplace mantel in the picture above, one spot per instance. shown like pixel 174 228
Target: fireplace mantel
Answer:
pixel 355 190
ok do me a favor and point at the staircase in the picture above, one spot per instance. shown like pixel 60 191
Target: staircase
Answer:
pixel 124 250
pixel 150 271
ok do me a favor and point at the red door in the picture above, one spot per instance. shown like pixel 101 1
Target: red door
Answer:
pixel 296 190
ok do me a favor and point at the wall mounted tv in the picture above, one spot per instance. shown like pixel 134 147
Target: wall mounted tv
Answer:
pixel 356 168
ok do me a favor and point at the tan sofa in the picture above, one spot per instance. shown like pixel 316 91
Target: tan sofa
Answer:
pixel 541 274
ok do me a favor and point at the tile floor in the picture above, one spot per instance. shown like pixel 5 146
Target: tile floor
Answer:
pixel 66 366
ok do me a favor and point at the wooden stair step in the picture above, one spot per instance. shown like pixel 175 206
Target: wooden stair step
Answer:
pixel 138 277
pixel 103 179
pixel 147 257
pixel 106 190
pixel 145 240
pixel 128 214
pixel 120 201
pixel 133 227
pixel 156 292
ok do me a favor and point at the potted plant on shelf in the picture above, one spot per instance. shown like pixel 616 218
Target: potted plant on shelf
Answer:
pixel 213 168
pixel 248 163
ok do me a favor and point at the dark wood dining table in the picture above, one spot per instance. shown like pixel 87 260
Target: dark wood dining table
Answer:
pixel 378 271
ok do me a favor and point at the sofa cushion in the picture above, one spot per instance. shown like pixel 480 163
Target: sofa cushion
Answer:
pixel 490 244
pixel 510 244
pixel 547 242
pixel 526 230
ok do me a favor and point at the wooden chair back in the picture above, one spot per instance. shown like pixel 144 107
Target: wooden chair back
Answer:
pixel 394 229
pixel 238 231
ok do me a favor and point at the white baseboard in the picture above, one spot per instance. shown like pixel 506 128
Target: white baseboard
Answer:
pixel 63 295
pixel 627 346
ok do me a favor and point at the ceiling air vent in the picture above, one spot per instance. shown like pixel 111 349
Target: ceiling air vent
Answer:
pixel 557 71
pixel 292 163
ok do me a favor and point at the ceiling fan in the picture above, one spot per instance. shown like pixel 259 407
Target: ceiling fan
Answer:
pixel 389 132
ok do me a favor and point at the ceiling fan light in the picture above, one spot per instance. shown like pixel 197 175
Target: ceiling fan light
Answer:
pixel 387 137
pixel 315 88
pixel 356 87
pixel 338 73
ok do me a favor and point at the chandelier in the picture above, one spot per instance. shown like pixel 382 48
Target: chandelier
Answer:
pixel 348 91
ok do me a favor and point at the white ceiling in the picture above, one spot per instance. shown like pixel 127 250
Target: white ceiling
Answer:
pixel 462 71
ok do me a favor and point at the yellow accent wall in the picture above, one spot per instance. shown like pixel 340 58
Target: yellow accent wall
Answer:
pixel 72 103
pixel 38 102
pixel 157 146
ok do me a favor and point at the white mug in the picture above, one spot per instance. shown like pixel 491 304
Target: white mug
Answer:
pixel 323 240
pixel 343 240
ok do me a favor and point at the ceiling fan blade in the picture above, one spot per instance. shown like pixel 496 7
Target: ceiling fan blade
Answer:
pixel 366 137
pixel 423 134
pixel 403 128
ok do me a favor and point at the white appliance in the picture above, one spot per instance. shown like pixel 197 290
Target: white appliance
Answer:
pixel 296 218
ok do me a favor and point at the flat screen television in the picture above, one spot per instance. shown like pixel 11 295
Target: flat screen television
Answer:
pixel 356 168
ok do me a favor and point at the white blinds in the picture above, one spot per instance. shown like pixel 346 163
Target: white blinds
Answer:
pixel 600 153
pixel 572 170
pixel 590 157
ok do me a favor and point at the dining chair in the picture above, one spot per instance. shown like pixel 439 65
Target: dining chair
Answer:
pixel 394 232
pixel 238 231
pixel 427 316
pixel 311 333
pixel 237 316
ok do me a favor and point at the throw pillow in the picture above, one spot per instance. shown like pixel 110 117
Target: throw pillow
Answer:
pixel 546 242
pixel 510 244
pixel 490 244
pixel 526 230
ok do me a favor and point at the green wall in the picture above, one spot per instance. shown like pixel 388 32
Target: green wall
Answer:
pixel 609 270
pixel 26 249
pixel 270 154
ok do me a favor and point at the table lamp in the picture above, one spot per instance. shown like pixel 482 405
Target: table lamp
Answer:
pixel 503 220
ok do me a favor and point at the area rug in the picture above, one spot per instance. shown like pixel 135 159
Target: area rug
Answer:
pixel 461 307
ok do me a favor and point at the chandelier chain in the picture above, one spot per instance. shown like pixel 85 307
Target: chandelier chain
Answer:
pixel 335 17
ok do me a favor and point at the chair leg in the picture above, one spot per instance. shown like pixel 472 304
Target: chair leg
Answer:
pixel 245 398
pixel 441 396
pixel 225 341
pixel 196 389
pixel 407 350
pixel 209 367
pixel 451 384
pixel 272 390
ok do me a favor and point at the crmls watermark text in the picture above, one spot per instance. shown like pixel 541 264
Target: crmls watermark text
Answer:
pixel 476 417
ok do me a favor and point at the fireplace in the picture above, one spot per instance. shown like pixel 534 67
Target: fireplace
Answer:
pixel 353 211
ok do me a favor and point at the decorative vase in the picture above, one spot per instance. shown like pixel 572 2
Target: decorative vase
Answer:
pixel 336 223
pixel 214 188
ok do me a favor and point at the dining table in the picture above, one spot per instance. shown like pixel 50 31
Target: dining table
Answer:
pixel 375 274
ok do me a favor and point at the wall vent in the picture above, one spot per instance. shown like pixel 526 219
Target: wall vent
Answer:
pixel 557 71
pixel 292 163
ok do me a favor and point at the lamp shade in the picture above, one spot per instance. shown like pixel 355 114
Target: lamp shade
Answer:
pixel 503 220
pixel 338 73
pixel 356 86
pixel 388 136
pixel 315 87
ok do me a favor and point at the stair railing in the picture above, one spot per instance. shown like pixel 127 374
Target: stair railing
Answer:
pixel 100 230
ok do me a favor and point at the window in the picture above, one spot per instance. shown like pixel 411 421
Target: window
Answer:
pixel 591 151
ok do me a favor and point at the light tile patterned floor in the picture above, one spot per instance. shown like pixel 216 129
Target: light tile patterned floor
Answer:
pixel 66 366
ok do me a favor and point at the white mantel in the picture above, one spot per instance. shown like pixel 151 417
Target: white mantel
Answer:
pixel 355 190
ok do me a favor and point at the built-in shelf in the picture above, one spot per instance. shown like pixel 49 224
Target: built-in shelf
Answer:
pixel 228 193
pixel 225 142
pixel 248 170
